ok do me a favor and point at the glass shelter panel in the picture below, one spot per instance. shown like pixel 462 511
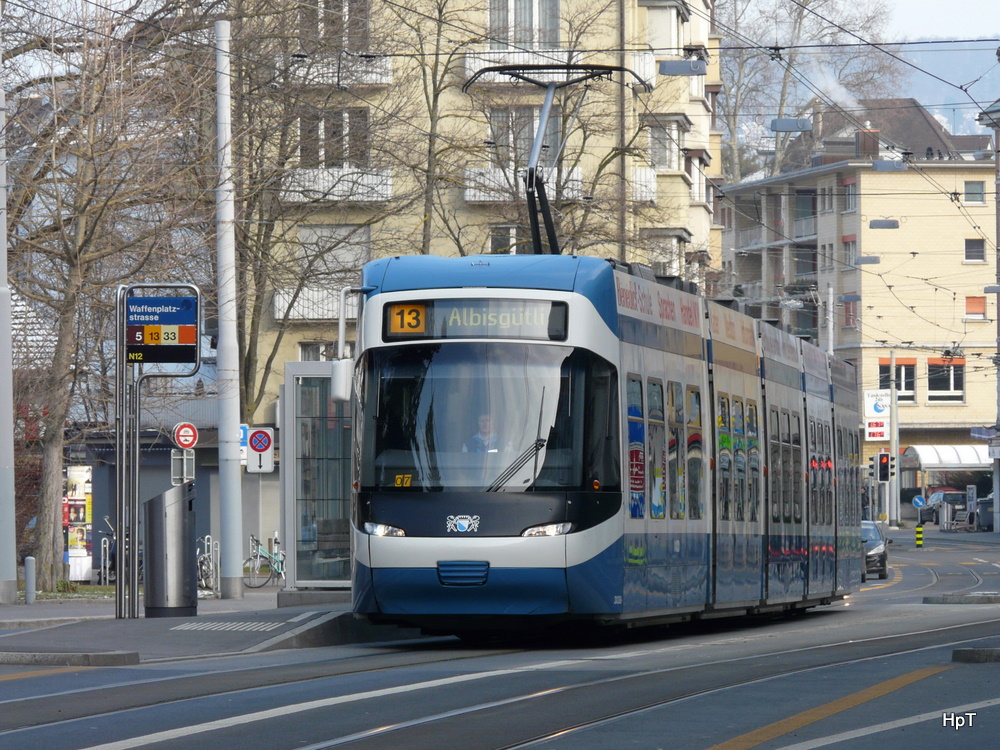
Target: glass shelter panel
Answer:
pixel 322 484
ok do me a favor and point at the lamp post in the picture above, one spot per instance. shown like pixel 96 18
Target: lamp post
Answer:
pixel 990 117
pixel 8 534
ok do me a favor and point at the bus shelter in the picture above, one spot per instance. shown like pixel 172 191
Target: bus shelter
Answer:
pixel 315 479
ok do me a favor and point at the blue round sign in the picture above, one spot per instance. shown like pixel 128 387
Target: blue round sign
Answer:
pixel 919 502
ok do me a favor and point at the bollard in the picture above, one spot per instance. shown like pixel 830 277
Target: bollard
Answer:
pixel 29 580
pixel 919 538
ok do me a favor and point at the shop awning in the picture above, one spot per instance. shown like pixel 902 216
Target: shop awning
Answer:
pixel 946 458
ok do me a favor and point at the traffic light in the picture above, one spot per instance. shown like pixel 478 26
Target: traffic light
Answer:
pixel 882 467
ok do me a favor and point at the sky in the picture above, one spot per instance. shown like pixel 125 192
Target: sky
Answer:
pixel 974 66
pixel 954 19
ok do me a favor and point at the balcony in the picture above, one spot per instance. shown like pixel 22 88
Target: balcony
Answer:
pixel 493 185
pixel 341 69
pixel 311 304
pixel 804 227
pixel 341 184
pixel 644 185
pixel 750 236
pixel 477 60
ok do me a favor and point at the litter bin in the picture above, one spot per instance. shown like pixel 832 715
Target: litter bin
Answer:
pixel 169 560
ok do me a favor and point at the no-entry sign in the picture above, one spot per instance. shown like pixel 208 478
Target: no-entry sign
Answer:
pixel 185 435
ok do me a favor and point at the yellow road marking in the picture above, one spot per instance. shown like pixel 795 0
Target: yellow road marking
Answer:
pixel 793 723
pixel 40 673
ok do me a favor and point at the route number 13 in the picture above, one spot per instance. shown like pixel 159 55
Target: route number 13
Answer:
pixel 408 318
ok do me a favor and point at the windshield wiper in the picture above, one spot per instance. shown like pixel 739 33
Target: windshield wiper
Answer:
pixel 505 476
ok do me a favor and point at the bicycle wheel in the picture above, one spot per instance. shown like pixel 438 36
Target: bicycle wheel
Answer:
pixel 256 572
pixel 206 572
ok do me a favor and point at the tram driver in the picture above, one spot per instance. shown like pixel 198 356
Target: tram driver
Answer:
pixel 486 440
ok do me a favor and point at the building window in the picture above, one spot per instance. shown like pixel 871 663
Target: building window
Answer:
pixel 317 351
pixel 851 197
pixel 975 251
pixel 945 380
pixel 666 139
pixel 512 130
pixel 509 238
pixel 342 24
pixel 975 308
pixel 906 375
pixel 974 192
pixel 334 138
pixel 851 314
pixel 850 253
pixel 332 253
pixel 524 23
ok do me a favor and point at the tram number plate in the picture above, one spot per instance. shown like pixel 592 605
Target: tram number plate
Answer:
pixel 404 480
pixel 408 318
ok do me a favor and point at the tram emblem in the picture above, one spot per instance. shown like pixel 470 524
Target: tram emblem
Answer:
pixel 463 523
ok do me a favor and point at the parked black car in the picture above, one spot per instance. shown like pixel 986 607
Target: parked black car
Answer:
pixel 876 550
pixel 932 510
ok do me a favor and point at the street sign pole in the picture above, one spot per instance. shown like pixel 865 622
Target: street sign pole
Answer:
pixel 151 331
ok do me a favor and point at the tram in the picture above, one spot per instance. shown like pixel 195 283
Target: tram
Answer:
pixel 543 439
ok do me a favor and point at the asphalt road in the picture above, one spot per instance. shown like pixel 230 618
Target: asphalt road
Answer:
pixel 877 671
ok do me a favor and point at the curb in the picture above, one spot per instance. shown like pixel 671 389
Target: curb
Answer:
pixel 48 622
pixel 987 597
pixel 99 659
pixel 975 655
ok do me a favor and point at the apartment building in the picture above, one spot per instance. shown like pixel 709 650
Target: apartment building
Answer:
pixel 881 248
pixel 392 153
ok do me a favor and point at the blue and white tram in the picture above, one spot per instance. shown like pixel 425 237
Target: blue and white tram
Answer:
pixel 545 438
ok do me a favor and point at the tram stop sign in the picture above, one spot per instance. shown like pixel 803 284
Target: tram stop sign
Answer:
pixel 185 435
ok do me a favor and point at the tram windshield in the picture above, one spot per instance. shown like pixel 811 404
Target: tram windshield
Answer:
pixel 500 417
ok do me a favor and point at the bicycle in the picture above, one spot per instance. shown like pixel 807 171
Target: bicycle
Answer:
pixel 205 564
pixel 262 566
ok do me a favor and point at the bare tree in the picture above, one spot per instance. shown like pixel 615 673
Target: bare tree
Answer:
pixel 781 57
pixel 316 132
pixel 476 143
pixel 100 197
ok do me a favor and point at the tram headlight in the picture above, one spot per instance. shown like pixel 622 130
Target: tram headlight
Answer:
pixel 549 529
pixel 383 529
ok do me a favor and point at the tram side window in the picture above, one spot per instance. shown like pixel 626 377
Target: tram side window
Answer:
pixel 601 442
pixel 753 461
pixel 841 466
pixel 739 462
pixel 724 446
pixel 774 466
pixel 855 477
pixel 828 473
pixel 675 461
pixel 695 454
pixel 797 466
pixel 814 470
pixel 636 449
pixel 787 476
pixel 657 450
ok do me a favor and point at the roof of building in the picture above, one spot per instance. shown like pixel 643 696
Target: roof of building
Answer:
pixel 902 124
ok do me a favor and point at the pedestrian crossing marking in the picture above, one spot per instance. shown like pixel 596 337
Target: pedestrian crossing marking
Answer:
pixel 245 627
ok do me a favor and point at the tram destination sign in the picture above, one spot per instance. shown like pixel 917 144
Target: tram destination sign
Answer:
pixel 475 318
pixel 161 330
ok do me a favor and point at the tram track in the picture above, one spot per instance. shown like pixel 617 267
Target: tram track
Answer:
pixel 386 737
pixel 561 688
